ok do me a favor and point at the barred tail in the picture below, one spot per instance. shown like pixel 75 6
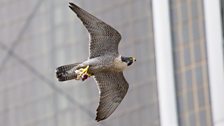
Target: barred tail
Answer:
pixel 63 73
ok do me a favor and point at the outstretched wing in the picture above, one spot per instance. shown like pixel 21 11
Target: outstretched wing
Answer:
pixel 112 87
pixel 103 38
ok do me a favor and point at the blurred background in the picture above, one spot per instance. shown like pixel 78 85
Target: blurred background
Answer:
pixel 38 36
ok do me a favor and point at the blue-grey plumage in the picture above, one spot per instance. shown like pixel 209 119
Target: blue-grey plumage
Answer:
pixel 104 63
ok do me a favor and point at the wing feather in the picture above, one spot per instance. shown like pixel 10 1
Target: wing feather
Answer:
pixel 104 39
pixel 113 88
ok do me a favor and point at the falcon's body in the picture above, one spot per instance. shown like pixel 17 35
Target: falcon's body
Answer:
pixel 104 63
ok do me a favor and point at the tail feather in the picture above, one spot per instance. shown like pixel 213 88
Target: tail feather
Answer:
pixel 63 73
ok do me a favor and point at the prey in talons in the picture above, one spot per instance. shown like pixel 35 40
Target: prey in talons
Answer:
pixel 82 73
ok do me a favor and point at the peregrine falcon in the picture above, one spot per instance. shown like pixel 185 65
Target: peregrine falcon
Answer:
pixel 104 63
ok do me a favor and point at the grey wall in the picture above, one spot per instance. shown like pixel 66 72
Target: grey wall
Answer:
pixel 37 36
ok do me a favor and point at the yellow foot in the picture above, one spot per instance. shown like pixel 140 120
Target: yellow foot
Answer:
pixel 83 73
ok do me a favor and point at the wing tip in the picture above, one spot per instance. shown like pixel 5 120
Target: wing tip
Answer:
pixel 72 5
pixel 98 118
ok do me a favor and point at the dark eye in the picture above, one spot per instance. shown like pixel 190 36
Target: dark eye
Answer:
pixel 129 63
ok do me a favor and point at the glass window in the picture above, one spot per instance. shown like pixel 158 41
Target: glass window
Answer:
pixel 202 118
pixel 190 101
pixel 195 29
pixel 197 53
pixel 194 9
pixel 192 119
pixel 174 15
pixel 177 59
pixel 180 103
pixel 198 76
pixel 184 10
pixel 187 57
pixel 185 33
pixel 179 82
pixel 188 79
pixel 201 97
pixel 176 36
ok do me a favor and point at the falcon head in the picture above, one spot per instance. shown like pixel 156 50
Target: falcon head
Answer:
pixel 128 60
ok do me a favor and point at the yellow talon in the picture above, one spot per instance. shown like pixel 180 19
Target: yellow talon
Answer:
pixel 86 71
pixel 82 71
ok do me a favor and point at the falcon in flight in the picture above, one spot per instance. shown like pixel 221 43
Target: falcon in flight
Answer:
pixel 104 63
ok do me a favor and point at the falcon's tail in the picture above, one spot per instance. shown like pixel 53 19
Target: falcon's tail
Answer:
pixel 63 73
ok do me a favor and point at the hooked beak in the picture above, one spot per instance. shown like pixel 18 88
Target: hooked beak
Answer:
pixel 133 59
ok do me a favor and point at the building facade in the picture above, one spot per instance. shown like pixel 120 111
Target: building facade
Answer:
pixel 177 80
pixel 195 59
